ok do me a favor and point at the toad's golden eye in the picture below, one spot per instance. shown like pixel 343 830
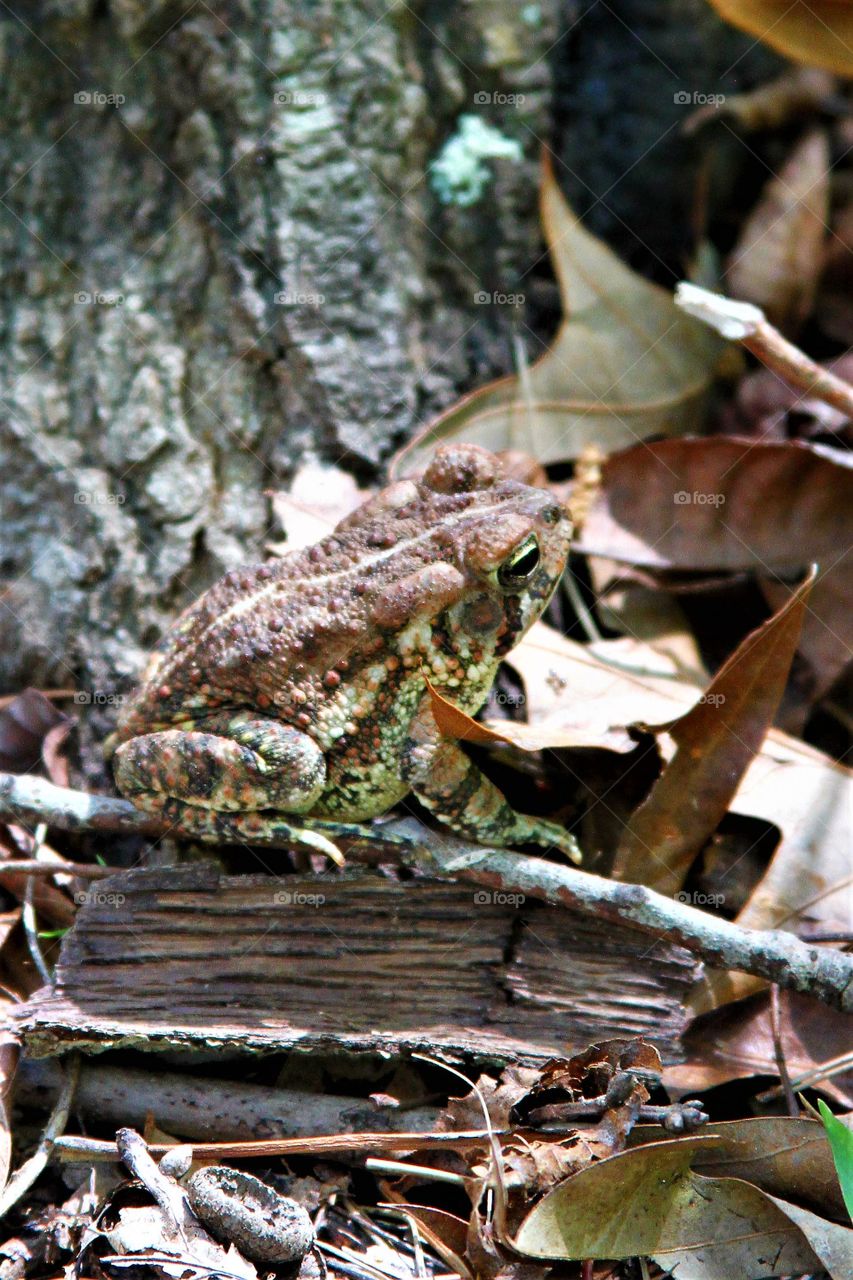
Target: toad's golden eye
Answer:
pixel 520 564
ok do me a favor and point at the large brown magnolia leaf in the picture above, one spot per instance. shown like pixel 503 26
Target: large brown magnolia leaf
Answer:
pixel 648 1201
pixel 626 363
pixel 787 1156
pixel 779 254
pixel 725 503
pixel 721 503
pixel 816 32
pixel 716 741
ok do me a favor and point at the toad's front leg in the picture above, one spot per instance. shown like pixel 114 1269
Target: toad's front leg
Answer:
pixel 451 786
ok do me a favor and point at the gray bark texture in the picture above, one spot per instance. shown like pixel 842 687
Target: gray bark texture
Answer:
pixel 220 253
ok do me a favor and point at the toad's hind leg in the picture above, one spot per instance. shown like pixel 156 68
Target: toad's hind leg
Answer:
pixel 247 765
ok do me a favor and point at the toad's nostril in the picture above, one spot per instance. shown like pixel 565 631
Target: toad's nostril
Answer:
pixel 553 514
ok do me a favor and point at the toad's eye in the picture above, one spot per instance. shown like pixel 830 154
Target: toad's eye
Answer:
pixel 520 565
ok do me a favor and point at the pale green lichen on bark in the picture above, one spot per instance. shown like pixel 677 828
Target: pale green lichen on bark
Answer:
pixel 459 173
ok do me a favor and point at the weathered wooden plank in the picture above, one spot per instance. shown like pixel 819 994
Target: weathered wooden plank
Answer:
pixel 358 961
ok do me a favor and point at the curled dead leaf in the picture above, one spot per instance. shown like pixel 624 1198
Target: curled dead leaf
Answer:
pixel 716 741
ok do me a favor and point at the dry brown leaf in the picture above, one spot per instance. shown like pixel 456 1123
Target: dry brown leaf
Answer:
pixel 533 1165
pixel 53 906
pixel 725 503
pixel 550 664
pixel 721 503
pixel 818 33
pixel 456 723
pixel 585 695
pixel 736 1042
pixel 589 1074
pixel 626 363
pixel 500 1096
pixel 779 255
pixel 588 694
pixel 443 1231
pixel 787 1156
pixel 648 1201
pixel 525 1096
pixel 25 722
pixel 715 740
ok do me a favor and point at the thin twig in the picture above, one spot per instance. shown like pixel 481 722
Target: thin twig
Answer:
pixel 397 1169
pixel 74 1148
pixel 744 323
pixel 32 867
pixel 823 1071
pixel 28 912
pixel 21 1181
pixel 779 1050
pixel 774 955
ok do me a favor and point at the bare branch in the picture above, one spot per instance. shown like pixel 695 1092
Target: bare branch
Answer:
pixel 775 955
pixel 744 323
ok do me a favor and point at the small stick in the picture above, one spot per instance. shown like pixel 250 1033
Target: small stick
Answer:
pixel 33 867
pixel 28 914
pixel 779 1050
pixel 171 1198
pixel 73 1148
pixel 744 323
pixel 21 1181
